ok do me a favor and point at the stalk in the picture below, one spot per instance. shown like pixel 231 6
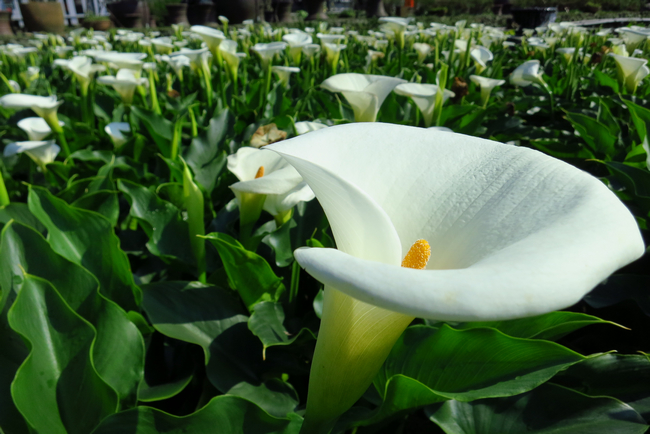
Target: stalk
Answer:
pixel 4 196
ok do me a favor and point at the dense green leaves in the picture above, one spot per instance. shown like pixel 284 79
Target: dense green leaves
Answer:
pixel 225 413
pixel 547 409
pixel 57 388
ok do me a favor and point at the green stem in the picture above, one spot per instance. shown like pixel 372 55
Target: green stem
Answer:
pixel 64 144
pixel 193 120
pixel 154 94
pixel 4 196
pixel 176 138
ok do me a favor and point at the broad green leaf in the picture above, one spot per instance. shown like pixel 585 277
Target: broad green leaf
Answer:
pixel 595 134
pixel 87 239
pixel 159 128
pixel 280 241
pixel 206 155
pixel 549 409
pixel 158 392
pixel 641 120
pixel 20 212
pixel 210 317
pixel 13 352
pixel 248 273
pixel 103 202
pixel 57 388
pixel 605 80
pixel 193 199
pixel 223 414
pixel 118 351
pixel 550 326
pixel 622 376
pixel 168 233
pixel 267 323
pixel 636 182
pixel 429 365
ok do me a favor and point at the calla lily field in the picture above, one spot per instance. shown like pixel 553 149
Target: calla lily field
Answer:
pixel 400 226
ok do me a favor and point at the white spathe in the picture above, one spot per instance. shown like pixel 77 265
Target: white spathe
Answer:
pixel 486 84
pixel 281 183
pixel 284 72
pixel 132 61
pixel 305 127
pixel 513 233
pixel 630 70
pixel 212 37
pixel 115 130
pixel 124 82
pixel 266 51
pixel 42 151
pixel 44 106
pixel 36 128
pixel 365 93
pixel 424 96
pixel 526 74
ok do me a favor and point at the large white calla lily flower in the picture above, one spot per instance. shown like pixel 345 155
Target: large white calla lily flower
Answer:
pixel 228 50
pixel 42 152
pixel 527 73
pixel 36 128
pixel 424 96
pixel 423 50
pixel 267 51
pixel 305 127
pixel 510 233
pixel 481 57
pixel 284 73
pixel 630 71
pixel 124 82
pixel 365 93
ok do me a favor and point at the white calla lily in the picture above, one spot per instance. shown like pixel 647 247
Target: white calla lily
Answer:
pixel 481 57
pixel 83 69
pixel 284 72
pixel 397 25
pixel 526 74
pixel 424 96
pixel 512 233
pixel 630 71
pixel 297 41
pixel 486 84
pixel 268 51
pixel 365 93
pixel 212 37
pixel 163 45
pixel 35 128
pixel 333 53
pixel 124 82
pixel 265 176
pixel 228 50
pixel 42 152
pixel 115 130
pixel 311 49
pixel 44 106
pixel 131 61
pixel 423 50
pixel 305 127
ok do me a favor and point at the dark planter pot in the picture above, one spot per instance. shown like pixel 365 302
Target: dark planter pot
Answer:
pixel 43 17
pixel 501 7
pixel 177 13
pixel 238 10
pixel 529 18
pixel 129 13
pixel 200 14
pixel 282 11
pixel 315 10
pixel 5 23
pixel 375 8
pixel 97 24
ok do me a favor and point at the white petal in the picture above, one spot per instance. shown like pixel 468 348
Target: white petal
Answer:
pixel 513 232
pixel 246 162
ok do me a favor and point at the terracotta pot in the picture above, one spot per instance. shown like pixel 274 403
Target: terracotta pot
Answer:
pixel 238 10
pixel 5 23
pixel 375 8
pixel 200 14
pixel 43 17
pixel 177 13
pixel 315 9
pixel 97 24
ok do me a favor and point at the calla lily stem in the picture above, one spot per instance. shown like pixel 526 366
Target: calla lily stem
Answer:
pixel 4 196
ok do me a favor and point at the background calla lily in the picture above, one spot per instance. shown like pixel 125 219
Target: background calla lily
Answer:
pixel 526 74
pixel 124 82
pixel 424 96
pixel 486 84
pixel 630 70
pixel 365 93
pixel 36 128
pixel 115 130
pixel 510 232
pixel 42 152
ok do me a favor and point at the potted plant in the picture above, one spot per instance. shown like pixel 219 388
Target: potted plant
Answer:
pixel 528 17
pixel 96 22
pixel 199 12
pixel 43 16
pixel 176 12
pixel 129 13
